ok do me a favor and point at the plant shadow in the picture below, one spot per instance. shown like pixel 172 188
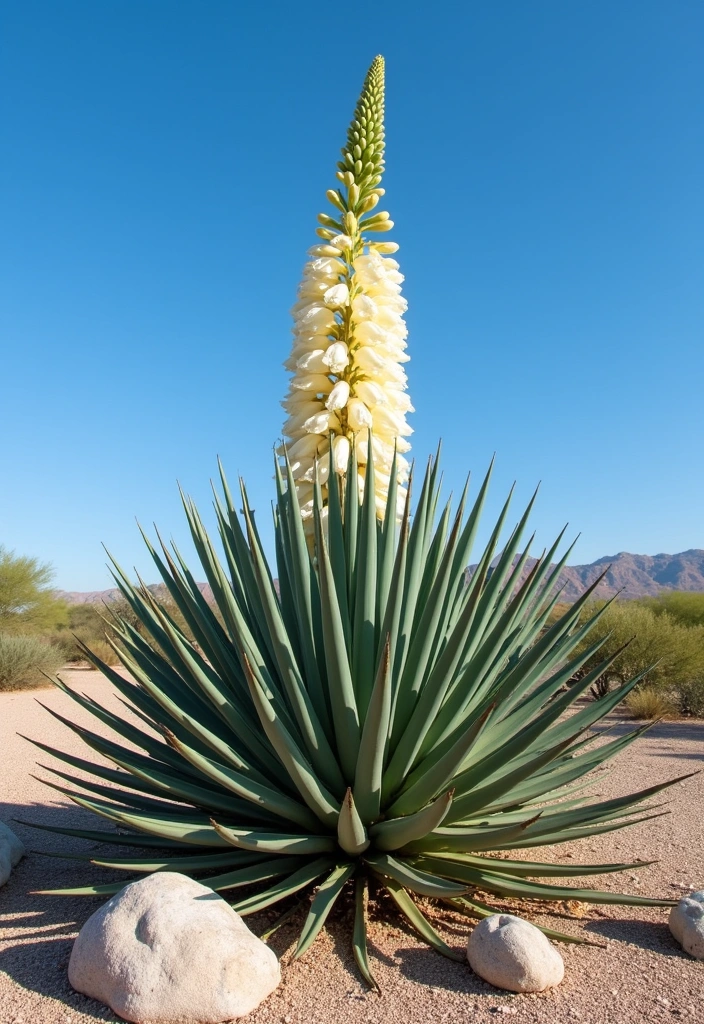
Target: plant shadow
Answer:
pixel 652 936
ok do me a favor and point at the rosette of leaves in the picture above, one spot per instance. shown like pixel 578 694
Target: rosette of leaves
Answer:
pixel 366 714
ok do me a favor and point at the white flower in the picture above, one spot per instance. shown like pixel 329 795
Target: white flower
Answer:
pixel 315 315
pixel 364 308
pixel 318 423
pixel 313 383
pixel 338 396
pixel 313 361
pixel 338 295
pixel 370 392
pixel 348 384
pixel 358 415
pixel 336 357
pixel 324 267
pixel 340 454
pixel 305 447
pixel 388 423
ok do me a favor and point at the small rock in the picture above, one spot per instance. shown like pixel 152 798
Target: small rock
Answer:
pixel 511 953
pixel 687 924
pixel 168 950
pixel 11 852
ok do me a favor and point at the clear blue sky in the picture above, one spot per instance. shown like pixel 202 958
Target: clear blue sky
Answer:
pixel 163 163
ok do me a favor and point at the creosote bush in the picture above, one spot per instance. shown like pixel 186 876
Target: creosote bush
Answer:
pixel 24 660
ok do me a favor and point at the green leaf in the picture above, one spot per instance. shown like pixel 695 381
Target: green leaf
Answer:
pixel 287 887
pixel 315 795
pixel 351 833
pixel 359 937
pixel 322 905
pixel 364 617
pixel 419 922
pixel 423 882
pixel 286 843
pixel 393 833
pixel 370 761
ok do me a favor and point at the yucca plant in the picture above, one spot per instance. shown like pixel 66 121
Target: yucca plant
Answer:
pixel 368 713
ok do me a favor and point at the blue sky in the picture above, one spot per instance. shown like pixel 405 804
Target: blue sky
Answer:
pixel 163 165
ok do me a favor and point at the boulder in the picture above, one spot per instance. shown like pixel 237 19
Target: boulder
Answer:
pixel 687 924
pixel 11 852
pixel 168 950
pixel 511 953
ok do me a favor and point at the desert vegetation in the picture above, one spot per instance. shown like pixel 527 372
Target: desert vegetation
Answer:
pixel 662 640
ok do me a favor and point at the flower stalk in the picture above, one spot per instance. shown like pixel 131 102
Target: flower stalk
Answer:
pixel 349 387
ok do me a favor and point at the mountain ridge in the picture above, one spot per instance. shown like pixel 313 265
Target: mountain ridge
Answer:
pixel 631 575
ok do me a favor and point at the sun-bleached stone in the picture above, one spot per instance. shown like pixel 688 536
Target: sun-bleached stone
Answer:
pixel 687 924
pixel 511 953
pixel 11 852
pixel 168 950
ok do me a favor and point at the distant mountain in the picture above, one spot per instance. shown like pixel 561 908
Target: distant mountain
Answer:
pixel 106 596
pixel 632 575
pixel 638 575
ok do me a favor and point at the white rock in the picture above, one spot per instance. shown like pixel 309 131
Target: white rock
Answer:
pixel 687 924
pixel 11 852
pixel 168 950
pixel 511 953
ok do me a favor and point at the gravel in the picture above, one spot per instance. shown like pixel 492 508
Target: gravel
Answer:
pixel 640 975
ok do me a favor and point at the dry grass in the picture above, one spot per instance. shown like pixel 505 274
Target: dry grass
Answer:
pixel 650 703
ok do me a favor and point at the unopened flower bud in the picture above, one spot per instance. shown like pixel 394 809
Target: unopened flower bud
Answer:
pixel 368 204
pixel 335 199
pixel 340 454
pixel 328 221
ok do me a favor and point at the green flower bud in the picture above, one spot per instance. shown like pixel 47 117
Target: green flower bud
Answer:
pixel 382 225
pixel 336 199
pixel 329 221
pixel 368 204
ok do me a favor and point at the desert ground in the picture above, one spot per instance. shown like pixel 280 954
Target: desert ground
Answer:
pixel 638 973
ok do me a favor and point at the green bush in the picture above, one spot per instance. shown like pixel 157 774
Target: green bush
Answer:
pixel 690 696
pixel 653 638
pixel 27 602
pixel 684 607
pixel 23 659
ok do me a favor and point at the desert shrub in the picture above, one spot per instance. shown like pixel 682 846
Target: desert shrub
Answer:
pixel 23 659
pixel 27 602
pixel 90 623
pixel 674 650
pixel 684 607
pixel 648 702
pixel 690 696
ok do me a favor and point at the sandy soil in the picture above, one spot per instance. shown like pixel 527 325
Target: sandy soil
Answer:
pixel 640 975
